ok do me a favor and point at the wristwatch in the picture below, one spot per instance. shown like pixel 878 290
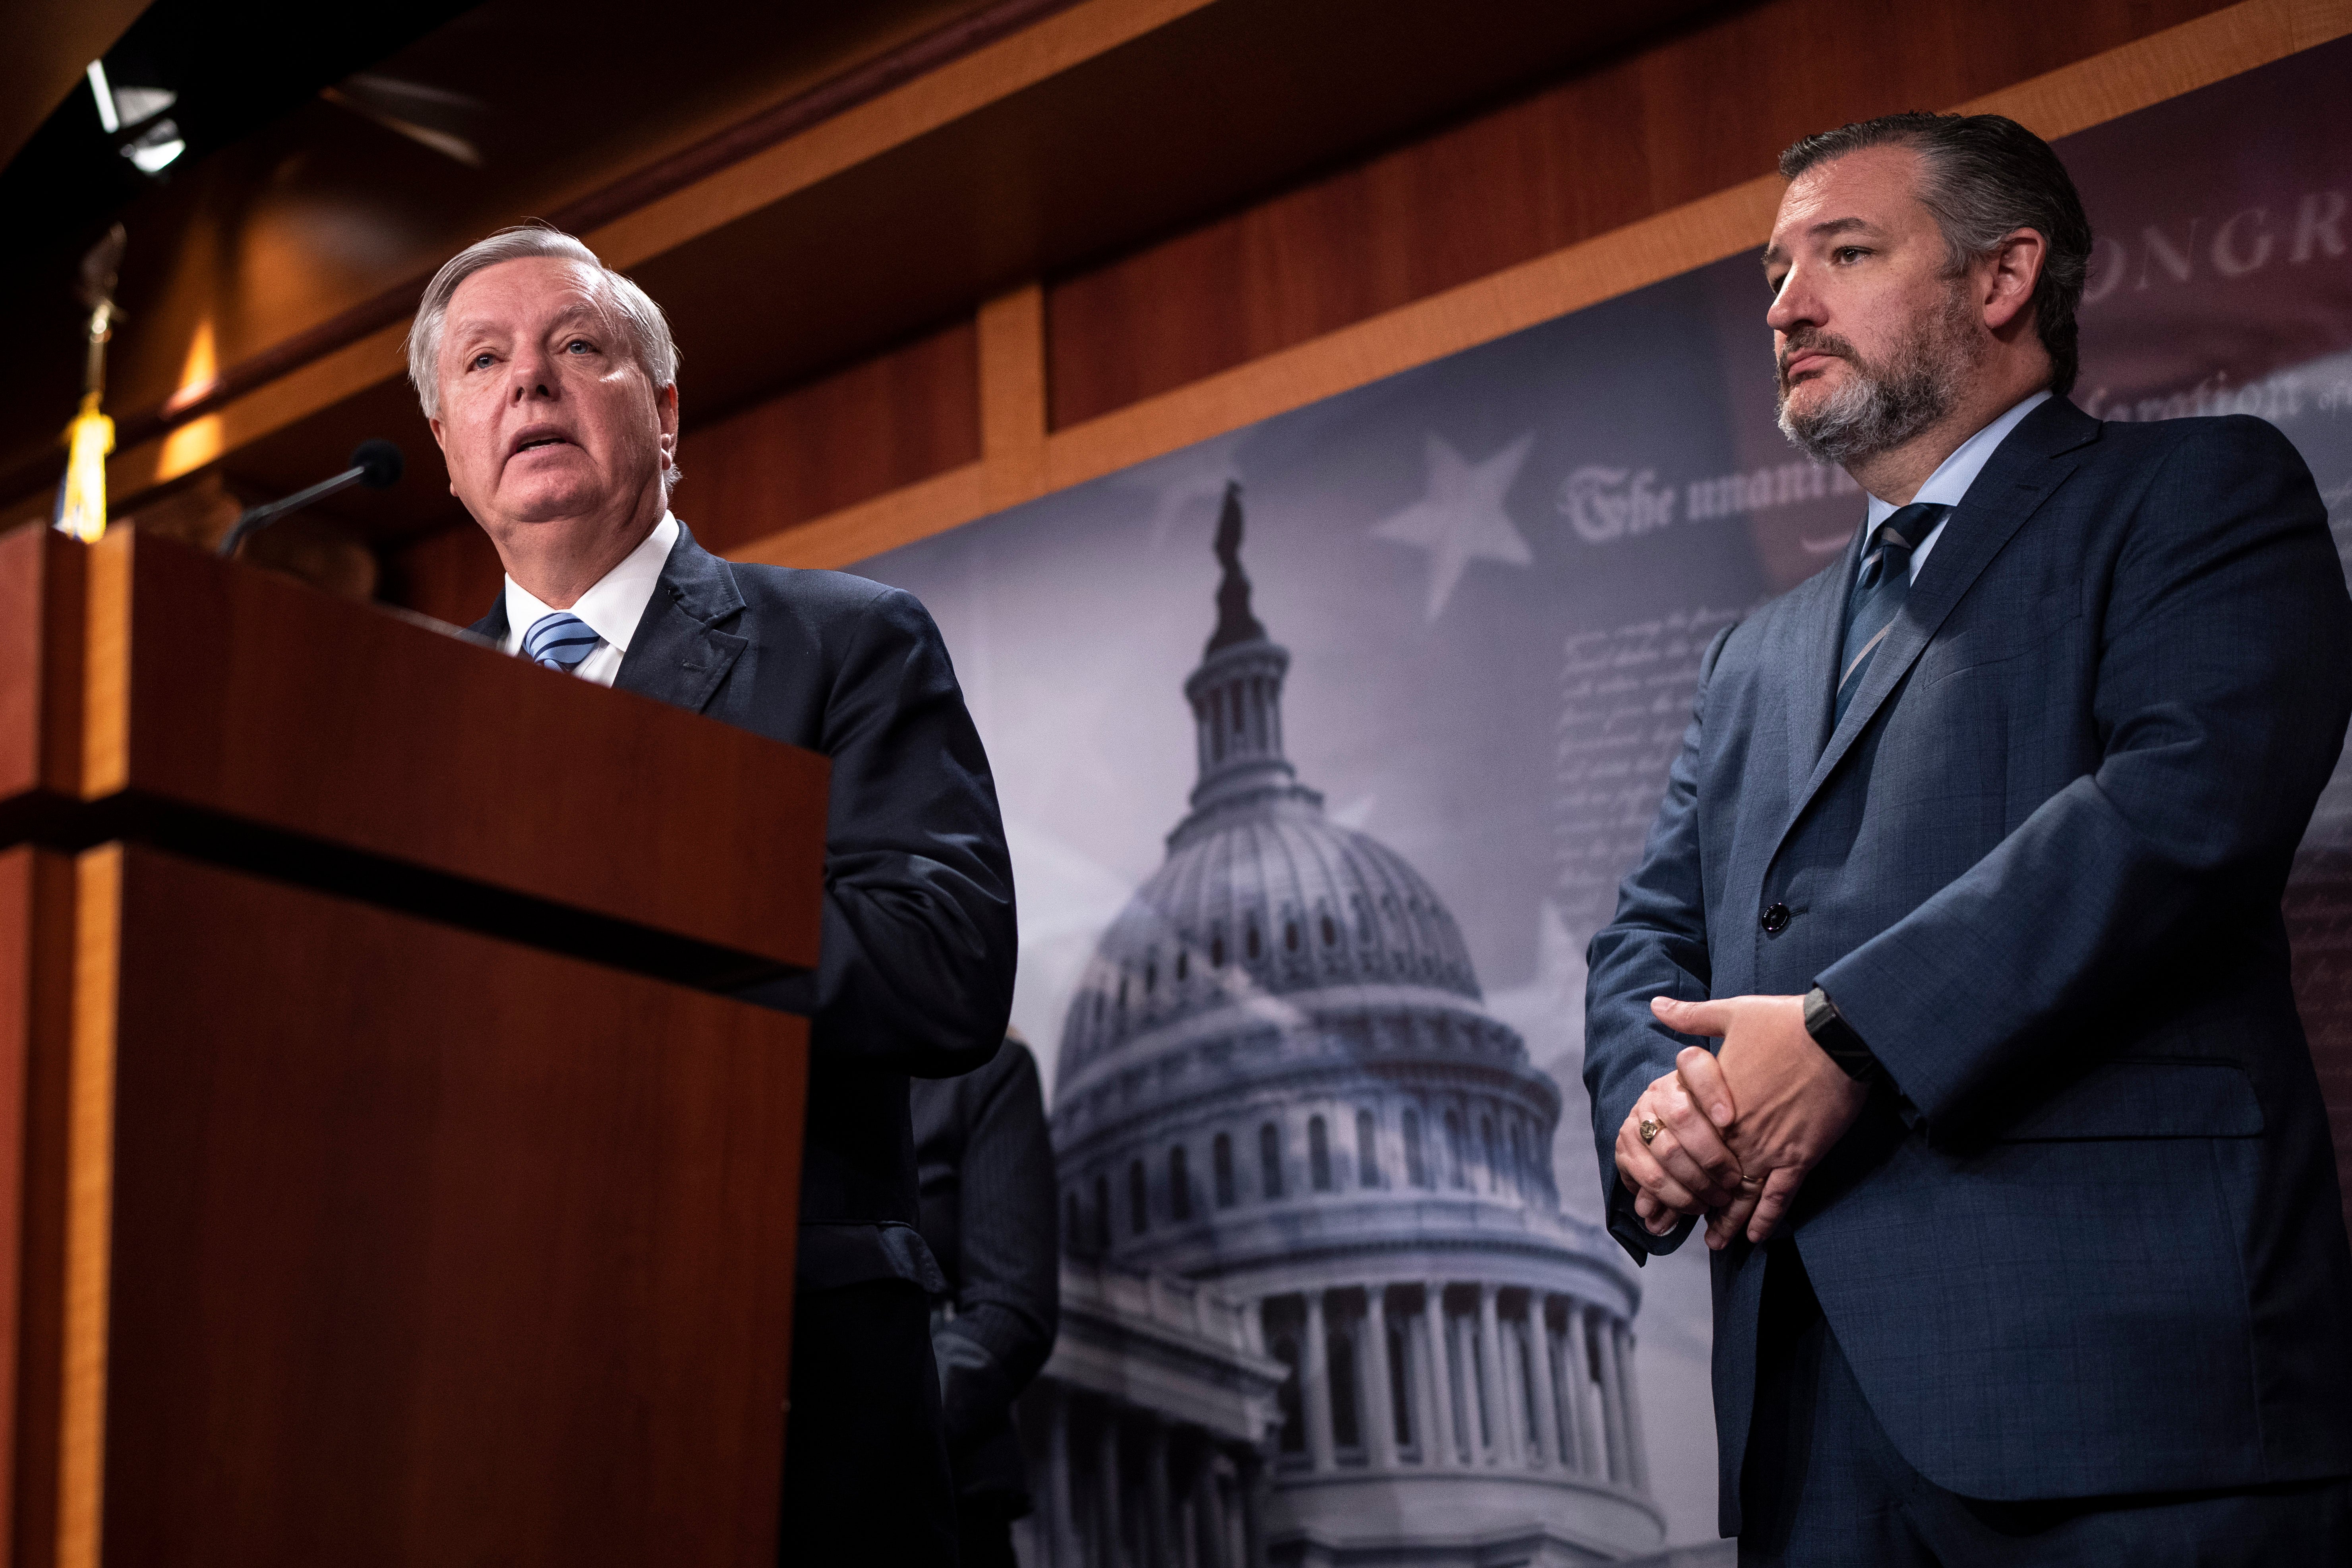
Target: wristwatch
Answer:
pixel 1836 1037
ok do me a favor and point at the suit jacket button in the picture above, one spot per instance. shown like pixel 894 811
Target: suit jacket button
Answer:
pixel 1776 919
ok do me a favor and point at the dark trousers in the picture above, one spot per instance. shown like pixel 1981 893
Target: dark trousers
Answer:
pixel 1821 1485
pixel 865 1469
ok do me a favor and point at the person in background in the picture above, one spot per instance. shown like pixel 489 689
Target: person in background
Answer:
pixel 985 1165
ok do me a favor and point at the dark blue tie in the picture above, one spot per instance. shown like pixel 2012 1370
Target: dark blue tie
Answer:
pixel 1878 590
pixel 560 641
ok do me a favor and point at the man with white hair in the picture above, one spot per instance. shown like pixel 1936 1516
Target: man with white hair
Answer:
pixel 551 383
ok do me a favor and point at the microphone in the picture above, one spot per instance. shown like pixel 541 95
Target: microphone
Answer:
pixel 375 463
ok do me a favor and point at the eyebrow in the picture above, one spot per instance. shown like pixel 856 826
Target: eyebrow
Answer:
pixel 1821 230
pixel 579 310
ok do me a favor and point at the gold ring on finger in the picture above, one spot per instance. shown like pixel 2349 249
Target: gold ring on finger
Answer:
pixel 1649 1128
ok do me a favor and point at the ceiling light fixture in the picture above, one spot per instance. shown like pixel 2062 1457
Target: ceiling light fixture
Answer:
pixel 105 96
pixel 155 147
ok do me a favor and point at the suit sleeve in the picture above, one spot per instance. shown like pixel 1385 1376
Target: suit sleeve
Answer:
pixel 1656 946
pixel 2223 684
pixel 915 973
pixel 1008 1287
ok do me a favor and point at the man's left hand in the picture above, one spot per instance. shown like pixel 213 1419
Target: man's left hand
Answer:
pixel 1781 1102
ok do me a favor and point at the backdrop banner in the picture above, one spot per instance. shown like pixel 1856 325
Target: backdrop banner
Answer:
pixel 1323 746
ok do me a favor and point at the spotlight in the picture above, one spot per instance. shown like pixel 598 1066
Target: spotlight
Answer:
pixel 155 147
pixel 159 142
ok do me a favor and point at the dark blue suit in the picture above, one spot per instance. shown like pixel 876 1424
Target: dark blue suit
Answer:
pixel 915 976
pixel 2087 1239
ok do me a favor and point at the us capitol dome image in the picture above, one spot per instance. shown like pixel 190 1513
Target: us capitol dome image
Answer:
pixel 1322 1306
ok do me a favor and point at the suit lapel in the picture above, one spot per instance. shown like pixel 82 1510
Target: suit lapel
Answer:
pixel 678 654
pixel 494 624
pixel 1816 627
pixel 2031 463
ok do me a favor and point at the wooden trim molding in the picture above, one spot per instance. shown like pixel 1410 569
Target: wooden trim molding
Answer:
pixel 1014 440
pixel 90 1203
pixel 2105 87
pixel 106 668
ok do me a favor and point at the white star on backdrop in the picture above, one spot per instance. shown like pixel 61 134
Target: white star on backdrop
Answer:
pixel 1461 518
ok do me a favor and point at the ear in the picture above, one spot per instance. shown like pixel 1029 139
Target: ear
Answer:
pixel 2010 272
pixel 441 439
pixel 665 410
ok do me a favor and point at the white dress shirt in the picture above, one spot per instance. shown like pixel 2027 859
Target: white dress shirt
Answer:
pixel 612 608
pixel 1949 485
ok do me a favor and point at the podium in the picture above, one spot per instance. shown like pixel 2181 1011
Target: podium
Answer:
pixel 384 1175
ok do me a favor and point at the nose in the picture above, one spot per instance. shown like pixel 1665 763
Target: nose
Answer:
pixel 1796 304
pixel 531 374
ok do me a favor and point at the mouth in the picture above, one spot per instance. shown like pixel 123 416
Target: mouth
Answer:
pixel 537 438
pixel 1806 363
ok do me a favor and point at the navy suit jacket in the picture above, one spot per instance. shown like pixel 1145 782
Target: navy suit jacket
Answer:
pixel 915 973
pixel 2087 1239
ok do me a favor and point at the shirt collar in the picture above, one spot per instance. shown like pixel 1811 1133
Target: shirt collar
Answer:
pixel 615 604
pixel 1949 485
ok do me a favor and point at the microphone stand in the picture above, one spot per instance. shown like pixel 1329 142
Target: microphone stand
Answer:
pixel 375 464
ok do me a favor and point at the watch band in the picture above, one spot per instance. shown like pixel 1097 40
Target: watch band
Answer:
pixel 1836 1037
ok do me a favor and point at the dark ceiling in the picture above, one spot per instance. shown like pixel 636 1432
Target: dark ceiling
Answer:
pixel 325 207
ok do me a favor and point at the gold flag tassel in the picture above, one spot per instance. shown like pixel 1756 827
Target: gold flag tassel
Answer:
pixel 81 494
pixel 81 498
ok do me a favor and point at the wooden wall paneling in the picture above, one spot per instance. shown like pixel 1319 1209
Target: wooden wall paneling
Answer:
pixel 36 960
pixel 460 1289
pixel 1013 397
pixel 893 420
pixel 1667 126
pixel 90 1203
pixel 2069 98
pixel 40 664
pixel 38 944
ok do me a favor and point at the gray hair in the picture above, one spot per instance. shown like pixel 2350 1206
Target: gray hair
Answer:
pixel 1985 178
pixel 648 329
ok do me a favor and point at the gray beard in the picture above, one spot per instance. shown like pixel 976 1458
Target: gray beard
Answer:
pixel 1883 405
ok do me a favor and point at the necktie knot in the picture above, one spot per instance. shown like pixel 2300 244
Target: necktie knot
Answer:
pixel 1893 543
pixel 560 640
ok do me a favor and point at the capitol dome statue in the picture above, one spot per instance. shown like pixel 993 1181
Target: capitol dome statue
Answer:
pixel 1278 1080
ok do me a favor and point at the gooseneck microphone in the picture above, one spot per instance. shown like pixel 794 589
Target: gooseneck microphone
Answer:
pixel 375 463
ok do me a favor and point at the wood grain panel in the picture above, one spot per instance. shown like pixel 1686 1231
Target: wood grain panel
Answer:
pixel 90 1203
pixel 1671 123
pixel 303 730
pixel 40 662
pixel 20 985
pixel 39 939
pixel 431 1249
pixel 21 553
pixel 887 421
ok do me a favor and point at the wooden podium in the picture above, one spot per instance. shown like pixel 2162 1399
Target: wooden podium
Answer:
pixel 380 1179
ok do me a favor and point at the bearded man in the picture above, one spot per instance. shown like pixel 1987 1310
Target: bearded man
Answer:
pixel 550 383
pixel 2029 1246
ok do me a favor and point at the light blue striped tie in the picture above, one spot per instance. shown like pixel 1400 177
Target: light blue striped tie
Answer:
pixel 560 640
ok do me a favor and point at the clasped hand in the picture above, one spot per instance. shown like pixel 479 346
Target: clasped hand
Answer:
pixel 1739 1128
